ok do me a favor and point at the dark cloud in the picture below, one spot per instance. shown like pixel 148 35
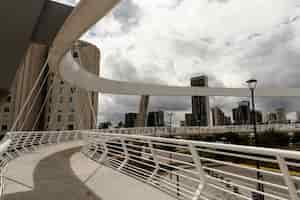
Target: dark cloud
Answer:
pixel 274 62
pixel 128 14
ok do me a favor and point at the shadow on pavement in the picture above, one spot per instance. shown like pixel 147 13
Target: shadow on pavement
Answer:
pixel 54 180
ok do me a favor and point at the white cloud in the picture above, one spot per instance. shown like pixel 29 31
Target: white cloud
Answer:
pixel 230 40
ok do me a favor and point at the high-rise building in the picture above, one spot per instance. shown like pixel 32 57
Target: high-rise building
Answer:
pixel 58 106
pixel 70 108
pixel 298 116
pixel 271 117
pixel 219 118
pixel 143 108
pixel 156 119
pixel 281 115
pixel 188 119
pixel 130 120
pixel 259 117
pixel 200 104
pixel 6 110
pixel 241 114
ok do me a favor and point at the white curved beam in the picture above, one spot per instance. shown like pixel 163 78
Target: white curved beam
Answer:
pixel 86 14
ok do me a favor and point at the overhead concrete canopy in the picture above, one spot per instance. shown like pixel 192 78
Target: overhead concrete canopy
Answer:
pixel 23 22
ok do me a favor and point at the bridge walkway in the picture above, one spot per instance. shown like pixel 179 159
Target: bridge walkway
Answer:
pixel 62 172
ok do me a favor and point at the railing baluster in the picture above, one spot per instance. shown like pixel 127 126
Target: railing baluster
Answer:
pixel 155 159
pixel 202 174
pixel 125 153
pixel 287 178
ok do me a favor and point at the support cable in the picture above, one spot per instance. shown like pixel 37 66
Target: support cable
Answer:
pixel 43 105
pixel 14 126
pixel 34 101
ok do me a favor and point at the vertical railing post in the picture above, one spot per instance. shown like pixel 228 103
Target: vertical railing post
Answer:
pixel 103 156
pixel 155 160
pixel 287 178
pixel 126 154
pixel 202 174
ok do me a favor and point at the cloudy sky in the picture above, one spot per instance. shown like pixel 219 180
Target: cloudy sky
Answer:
pixel 168 41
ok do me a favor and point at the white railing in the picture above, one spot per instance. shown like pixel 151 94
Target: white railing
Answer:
pixel 3 148
pixel 199 170
pixel 184 131
pixel 17 143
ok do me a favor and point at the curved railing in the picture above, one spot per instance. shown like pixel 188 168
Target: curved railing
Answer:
pixel 200 170
pixel 3 148
pixel 16 144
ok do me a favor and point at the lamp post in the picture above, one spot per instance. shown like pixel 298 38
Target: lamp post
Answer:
pixel 252 85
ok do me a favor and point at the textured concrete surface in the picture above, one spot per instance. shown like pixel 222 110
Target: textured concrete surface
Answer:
pixel 62 172
pixel 110 184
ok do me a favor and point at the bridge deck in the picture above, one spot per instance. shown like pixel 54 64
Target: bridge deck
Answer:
pixel 62 172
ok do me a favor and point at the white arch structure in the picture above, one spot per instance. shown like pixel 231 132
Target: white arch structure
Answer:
pixel 86 14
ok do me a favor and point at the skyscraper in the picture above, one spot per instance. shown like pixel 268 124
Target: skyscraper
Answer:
pixel 281 115
pixel 241 114
pixel 130 119
pixel 142 115
pixel 155 119
pixel 298 116
pixel 218 117
pixel 200 104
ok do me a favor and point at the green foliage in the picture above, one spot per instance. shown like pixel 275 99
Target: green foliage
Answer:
pixel 271 138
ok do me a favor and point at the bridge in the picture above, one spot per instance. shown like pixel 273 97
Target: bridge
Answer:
pixel 136 163
pixel 38 165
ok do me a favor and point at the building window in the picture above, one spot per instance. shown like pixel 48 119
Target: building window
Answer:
pixel 72 90
pixel 75 54
pixel 72 110
pixel 4 128
pixel 61 99
pixel 70 127
pixel 61 82
pixel 61 89
pixel 70 99
pixel 49 109
pixel 71 118
pixel 59 118
pixel 8 99
pixel 59 110
pixel 6 109
pixel 48 118
pixel 50 100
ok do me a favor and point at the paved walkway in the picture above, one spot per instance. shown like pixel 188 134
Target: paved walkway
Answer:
pixel 62 172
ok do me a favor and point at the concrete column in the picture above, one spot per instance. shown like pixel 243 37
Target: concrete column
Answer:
pixel 142 115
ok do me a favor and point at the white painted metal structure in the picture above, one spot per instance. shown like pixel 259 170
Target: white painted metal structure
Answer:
pixel 16 144
pixel 203 170
pixel 86 14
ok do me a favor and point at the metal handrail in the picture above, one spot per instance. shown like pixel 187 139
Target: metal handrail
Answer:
pixel 202 173
pixel 16 144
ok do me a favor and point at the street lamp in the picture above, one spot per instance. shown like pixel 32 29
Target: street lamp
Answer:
pixel 252 85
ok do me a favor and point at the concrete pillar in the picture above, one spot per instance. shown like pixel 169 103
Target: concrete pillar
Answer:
pixel 142 115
